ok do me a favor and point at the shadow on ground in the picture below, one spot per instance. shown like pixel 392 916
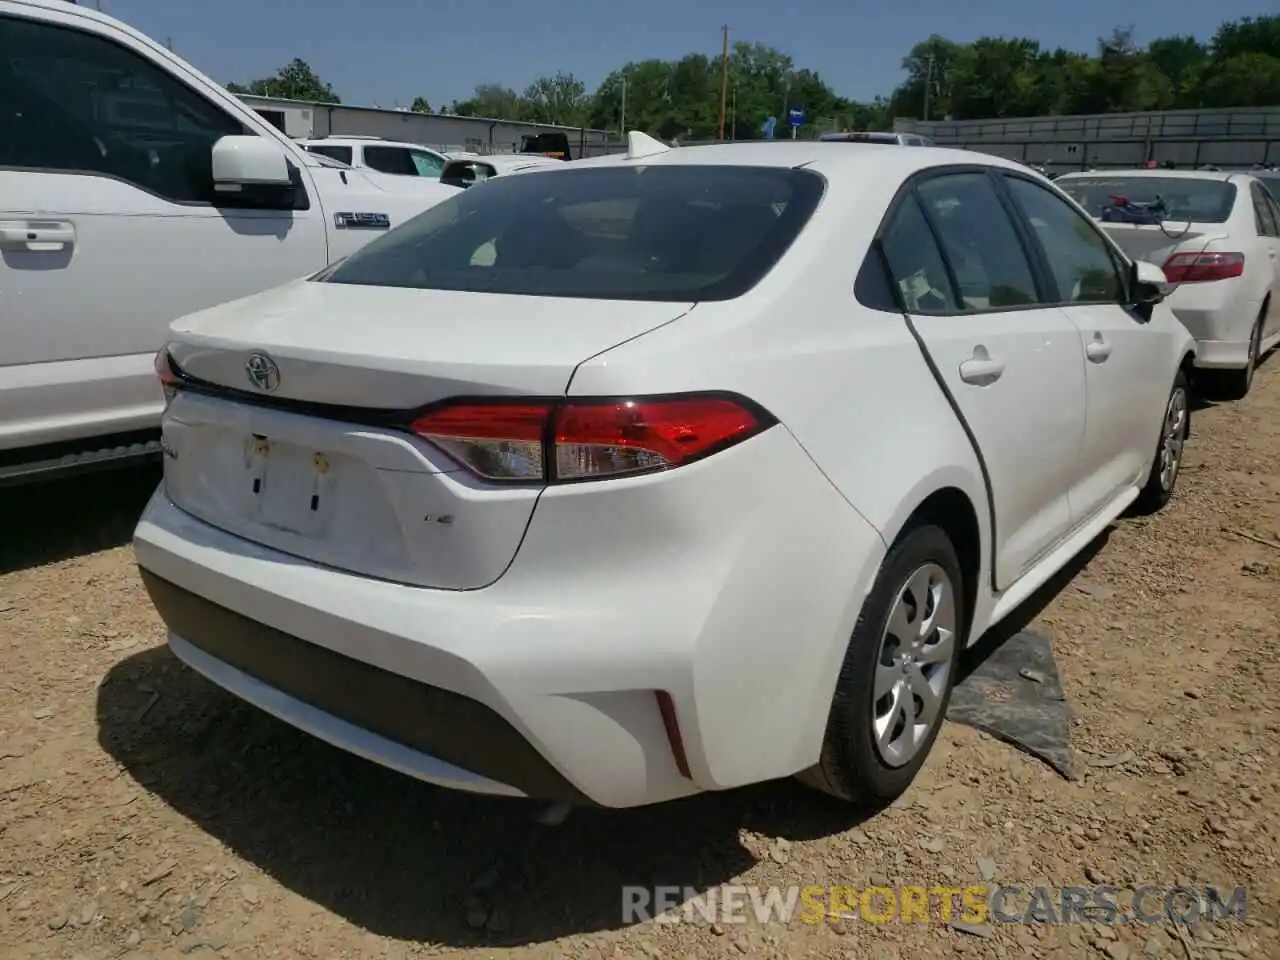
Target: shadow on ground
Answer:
pixel 1022 617
pixel 401 858
pixel 60 519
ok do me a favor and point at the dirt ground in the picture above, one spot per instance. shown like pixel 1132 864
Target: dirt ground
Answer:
pixel 144 813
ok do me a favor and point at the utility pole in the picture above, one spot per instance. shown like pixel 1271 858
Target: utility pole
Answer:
pixel 623 122
pixel 928 84
pixel 724 75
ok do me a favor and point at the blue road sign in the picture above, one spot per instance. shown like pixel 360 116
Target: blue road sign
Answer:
pixel 769 126
pixel 795 117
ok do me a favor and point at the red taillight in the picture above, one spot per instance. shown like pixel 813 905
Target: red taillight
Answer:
pixel 165 372
pixel 591 439
pixel 1200 267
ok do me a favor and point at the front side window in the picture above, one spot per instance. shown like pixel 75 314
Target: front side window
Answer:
pixel 979 241
pixel 1080 259
pixel 662 233
pixel 427 164
pixel 75 101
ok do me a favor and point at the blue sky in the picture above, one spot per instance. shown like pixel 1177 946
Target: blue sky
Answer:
pixel 388 51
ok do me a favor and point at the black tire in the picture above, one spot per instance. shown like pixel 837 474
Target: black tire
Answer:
pixel 1157 491
pixel 1236 384
pixel 850 766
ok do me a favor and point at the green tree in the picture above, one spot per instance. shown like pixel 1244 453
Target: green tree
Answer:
pixel 296 80
pixel 996 77
pixel 1183 60
pixel 490 100
pixel 1244 80
pixel 420 105
pixel 561 99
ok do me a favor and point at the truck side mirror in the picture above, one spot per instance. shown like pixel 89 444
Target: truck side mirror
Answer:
pixel 240 162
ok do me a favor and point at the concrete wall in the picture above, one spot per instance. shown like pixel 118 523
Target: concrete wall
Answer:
pixel 314 120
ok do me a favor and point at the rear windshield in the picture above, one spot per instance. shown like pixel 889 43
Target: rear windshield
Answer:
pixel 1184 198
pixel 686 232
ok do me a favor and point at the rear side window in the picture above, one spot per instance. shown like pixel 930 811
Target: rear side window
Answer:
pixel 341 154
pixel 1263 217
pixel 987 259
pixel 390 160
pixel 915 263
pixel 1182 198
pixel 663 232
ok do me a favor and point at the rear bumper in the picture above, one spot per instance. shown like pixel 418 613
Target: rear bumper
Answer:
pixel 1220 316
pixel 1222 354
pixel 738 605
pixel 352 704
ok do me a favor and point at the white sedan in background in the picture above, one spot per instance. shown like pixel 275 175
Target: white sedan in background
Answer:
pixel 1217 236
pixel 705 477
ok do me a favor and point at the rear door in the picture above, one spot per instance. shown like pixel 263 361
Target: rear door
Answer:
pixel 1126 380
pixel 1266 214
pixel 1012 363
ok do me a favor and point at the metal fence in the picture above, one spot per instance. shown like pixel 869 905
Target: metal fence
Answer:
pixel 1237 138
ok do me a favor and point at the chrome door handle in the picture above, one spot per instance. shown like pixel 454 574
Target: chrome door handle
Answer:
pixel 1098 349
pixel 981 369
pixel 37 236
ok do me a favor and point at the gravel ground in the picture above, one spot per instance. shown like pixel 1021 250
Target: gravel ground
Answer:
pixel 144 813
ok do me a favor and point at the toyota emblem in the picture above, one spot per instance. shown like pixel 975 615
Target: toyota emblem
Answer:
pixel 262 372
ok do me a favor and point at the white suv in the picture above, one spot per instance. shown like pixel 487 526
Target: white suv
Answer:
pixel 381 156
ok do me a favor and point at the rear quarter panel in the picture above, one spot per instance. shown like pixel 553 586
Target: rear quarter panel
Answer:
pixel 852 389
pixel 848 382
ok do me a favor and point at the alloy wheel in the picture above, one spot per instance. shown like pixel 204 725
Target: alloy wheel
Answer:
pixel 913 665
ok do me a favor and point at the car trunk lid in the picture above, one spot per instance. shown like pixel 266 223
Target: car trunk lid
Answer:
pixel 315 457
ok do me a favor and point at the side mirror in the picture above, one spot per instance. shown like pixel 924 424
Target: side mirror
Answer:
pixel 240 162
pixel 1149 284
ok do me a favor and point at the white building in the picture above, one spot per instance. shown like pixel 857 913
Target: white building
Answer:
pixel 305 121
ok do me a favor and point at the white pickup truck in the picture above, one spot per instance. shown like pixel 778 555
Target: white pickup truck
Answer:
pixel 135 190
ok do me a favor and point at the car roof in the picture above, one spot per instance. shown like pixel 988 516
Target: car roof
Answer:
pixel 827 157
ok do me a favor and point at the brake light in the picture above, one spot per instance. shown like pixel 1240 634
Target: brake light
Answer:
pixel 589 439
pixel 167 375
pixel 1201 267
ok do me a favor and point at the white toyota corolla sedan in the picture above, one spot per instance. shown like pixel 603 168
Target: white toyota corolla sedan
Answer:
pixel 660 473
